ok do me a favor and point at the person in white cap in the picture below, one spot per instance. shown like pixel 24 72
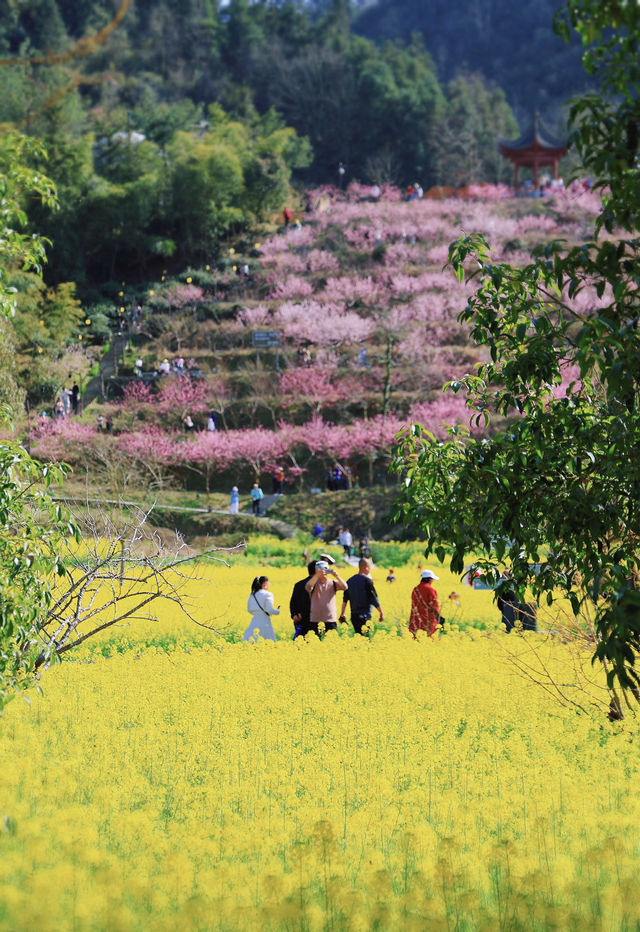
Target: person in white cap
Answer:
pixel 425 608
pixel 322 588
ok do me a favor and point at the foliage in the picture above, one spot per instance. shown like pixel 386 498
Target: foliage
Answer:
pixel 555 495
pixel 466 131
pixel 33 527
pixel 512 47
pixel 11 393
pixel 19 180
pixel 172 128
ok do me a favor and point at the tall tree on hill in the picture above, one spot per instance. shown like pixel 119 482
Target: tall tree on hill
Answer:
pixel 556 495
pixel 465 133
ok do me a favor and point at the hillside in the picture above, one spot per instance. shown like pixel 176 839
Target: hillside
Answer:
pixel 367 324
pixel 512 45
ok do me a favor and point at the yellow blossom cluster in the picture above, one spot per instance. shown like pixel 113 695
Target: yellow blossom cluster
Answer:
pixel 348 784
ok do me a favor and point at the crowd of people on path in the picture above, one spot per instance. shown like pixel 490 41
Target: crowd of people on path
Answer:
pixel 176 366
pixel 67 403
pixel 338 477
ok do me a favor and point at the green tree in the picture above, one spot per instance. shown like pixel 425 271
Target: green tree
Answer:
pixel 33 528
pixel 32 525
pixel 556 495
pixel 20 181
pixel 464 137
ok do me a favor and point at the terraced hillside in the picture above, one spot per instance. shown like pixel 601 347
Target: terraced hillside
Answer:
pixel 365 317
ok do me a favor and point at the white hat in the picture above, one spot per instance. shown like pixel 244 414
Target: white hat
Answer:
pixel 327 558
pixel 235 488
pixel 428 574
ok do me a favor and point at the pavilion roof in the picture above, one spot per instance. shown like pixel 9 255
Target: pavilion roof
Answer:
pixel 537 136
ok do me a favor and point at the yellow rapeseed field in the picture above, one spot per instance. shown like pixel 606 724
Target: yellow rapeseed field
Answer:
pixel 351 784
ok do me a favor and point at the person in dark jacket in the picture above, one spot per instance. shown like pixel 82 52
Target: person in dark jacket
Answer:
pixel 361 595
pixel 300 605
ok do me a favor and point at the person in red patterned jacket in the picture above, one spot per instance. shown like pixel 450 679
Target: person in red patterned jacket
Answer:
pixel 425 608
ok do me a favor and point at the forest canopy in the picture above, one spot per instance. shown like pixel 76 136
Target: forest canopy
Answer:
pixel 170 127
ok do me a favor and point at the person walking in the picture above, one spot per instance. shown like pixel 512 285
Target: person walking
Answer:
pixel 347 542
pixel 234 505
pixel 278 480
pixel 425 608
pixel 322 595
pixel 75 397
pixel 300 605
pixel 260 606
pixel 361 595
pixel 256 496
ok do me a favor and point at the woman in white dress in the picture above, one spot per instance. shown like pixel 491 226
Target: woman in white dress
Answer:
pixel 260 605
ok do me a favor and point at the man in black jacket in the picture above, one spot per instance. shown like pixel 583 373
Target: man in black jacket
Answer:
pixel 300 605
pixel 361 594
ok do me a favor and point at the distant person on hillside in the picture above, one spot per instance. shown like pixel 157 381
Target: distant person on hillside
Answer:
pixel 260 605
pixel 256 496
pixel 234 505
pixel 375 191
pixel 363 549
pixel 58 409
pixel 347 542
pixel 287 216
pixel 165 367
pixel 75 397
pixel 425 608
pixel 361 595
pixel 391 576
pixel 187 420
pixel 300 605
pixel 278 481
pixel 318 531
pixel 322 588
pixel 139 366
pixel 211 422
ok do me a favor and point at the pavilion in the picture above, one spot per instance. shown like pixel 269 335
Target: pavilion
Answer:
pixel 537 147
